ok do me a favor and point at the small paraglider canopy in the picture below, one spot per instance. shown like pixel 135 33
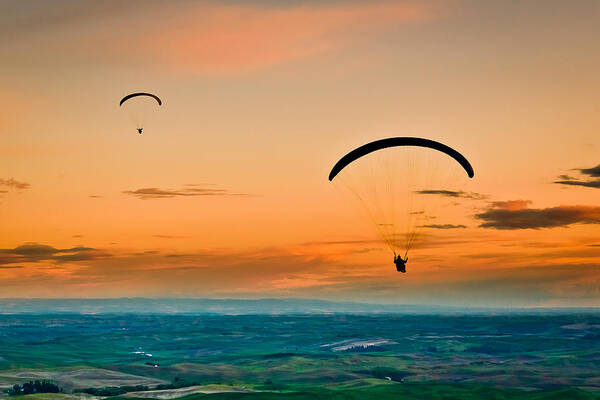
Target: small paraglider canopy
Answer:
pixel 129 96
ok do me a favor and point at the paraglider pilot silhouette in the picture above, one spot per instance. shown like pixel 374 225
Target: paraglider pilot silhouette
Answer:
pixel 400 262
pixel 380 207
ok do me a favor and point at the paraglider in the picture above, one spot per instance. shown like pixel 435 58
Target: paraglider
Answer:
pixel 138 106
pixel 400 262
pixel 398 181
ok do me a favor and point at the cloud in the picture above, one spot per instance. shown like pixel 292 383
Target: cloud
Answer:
pixel 35 252
pixel 509 215
pixel 170 237
pixel 565 177
pixel 442 226
pixel 341 242
pixel 186 191
pixel 27 17
pixel 534 285
pixel 95 196
pixel 426 241
pixel 306 272
pixel 208 271
pixel 207 36
pixel 13 183
pixel 593 172
pixel 452 193
pixel 592 184
pixel 512 205
pixel 232 37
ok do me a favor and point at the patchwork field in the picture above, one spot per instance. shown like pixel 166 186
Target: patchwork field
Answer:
pixel 537 356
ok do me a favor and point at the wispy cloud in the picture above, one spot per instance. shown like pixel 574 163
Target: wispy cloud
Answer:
pixel 170 236
pixel 259 35
pixel 28 17
pixel 14 184
pixel 299 272
pixel 36 252
pixel 590 178
pixel 443 226
pixel 515 214
pixel 453 193
pixel 591 184
pixel 210 36
pixel 512 205
pixel 186 191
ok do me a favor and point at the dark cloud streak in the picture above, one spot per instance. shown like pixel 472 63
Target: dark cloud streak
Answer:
pixel 15 184
pixel 187 191
pixel 593 172
pixel 503 216
pixel 35 252
pixel 443 226
pixel 170 237
pixel 453 193
pixel 592 184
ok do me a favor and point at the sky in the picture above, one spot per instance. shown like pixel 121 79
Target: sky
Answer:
pixel 225 195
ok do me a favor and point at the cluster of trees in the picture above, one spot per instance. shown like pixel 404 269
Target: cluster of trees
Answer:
pixel 49 387
pixel 32 387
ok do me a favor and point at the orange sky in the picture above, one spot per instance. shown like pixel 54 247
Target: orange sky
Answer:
pixel 260 99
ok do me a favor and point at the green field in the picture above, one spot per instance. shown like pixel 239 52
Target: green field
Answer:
pixel 346 356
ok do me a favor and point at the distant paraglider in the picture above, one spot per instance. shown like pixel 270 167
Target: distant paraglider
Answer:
pixel 139 106
pixel 398 182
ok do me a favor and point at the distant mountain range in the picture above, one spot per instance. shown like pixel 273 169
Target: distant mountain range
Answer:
pixel 245 306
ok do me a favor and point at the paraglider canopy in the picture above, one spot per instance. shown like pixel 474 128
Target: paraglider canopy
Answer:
pixel 129 96
pixel 400 141
pixel 401 183
pixel 139 106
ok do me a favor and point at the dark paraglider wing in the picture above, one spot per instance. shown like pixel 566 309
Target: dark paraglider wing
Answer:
pixel 394 181
pixel 400 141
pixel 129 96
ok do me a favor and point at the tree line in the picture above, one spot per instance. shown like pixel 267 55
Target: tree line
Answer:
pixel 32 387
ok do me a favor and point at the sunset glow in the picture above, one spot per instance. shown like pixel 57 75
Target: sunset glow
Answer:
pixel 226 194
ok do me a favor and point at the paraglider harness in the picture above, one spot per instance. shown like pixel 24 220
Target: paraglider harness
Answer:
pixel 400 262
